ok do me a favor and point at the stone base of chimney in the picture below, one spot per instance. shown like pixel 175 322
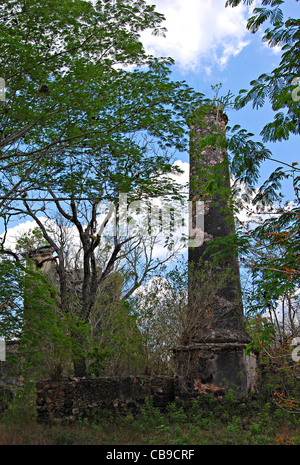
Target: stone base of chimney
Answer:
pixel 223 364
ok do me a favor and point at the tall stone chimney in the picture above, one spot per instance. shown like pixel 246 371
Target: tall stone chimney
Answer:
pixel 215 351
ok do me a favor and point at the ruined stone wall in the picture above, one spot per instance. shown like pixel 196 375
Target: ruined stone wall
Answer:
pixel 84 397
pixel 71 399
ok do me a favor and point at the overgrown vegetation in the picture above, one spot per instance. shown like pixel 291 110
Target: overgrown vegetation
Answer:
pixel 88 116
pixel 231 421
pixel 269 241
pixel 64 153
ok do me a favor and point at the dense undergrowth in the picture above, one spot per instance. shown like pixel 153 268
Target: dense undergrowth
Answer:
pixel 207 421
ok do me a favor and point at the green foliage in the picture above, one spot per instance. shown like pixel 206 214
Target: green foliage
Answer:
pixel 279 380
pixel 150 414
pixel 29 313
pixel 247 155
pixel 45 343
pixel 21 410
pixel 171 310
pixel 71 85
pixel 11 286
pixel 262 333
pixel 210 421
pixel 116 345
pixel 269 249
pixel 64 438
pixel 198 422
pixel 160 307
pixel 88 115
pixel 176 413
pixel 98 360
pixel 30 241
pixel 224 102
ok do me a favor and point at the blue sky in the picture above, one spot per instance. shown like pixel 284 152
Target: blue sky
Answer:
pixel 211 45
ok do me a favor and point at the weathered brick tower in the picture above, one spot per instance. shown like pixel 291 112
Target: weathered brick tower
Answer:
pixel 214 351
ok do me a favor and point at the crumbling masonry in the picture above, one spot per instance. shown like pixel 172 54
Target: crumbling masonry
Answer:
pixel 216 353
pixel 213 358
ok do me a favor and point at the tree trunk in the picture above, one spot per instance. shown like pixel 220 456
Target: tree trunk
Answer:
pixel 80 367
pixel 79 356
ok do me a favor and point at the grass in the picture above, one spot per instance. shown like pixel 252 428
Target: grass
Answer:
pixel 200 423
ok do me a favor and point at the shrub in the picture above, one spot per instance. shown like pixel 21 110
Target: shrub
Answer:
pixel 21 409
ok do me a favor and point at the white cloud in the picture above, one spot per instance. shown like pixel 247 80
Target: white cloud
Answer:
pixel 15 233
pixel 200 33
pixel 182 178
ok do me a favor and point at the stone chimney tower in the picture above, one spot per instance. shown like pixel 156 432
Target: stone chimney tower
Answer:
pixel 215 351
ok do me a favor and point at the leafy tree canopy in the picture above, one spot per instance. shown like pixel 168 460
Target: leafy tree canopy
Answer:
pixel 75 115
pixel 274 253
pixel 88 114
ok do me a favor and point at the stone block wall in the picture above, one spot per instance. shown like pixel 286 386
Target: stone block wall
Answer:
pixel 84 397
pixel 71 399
